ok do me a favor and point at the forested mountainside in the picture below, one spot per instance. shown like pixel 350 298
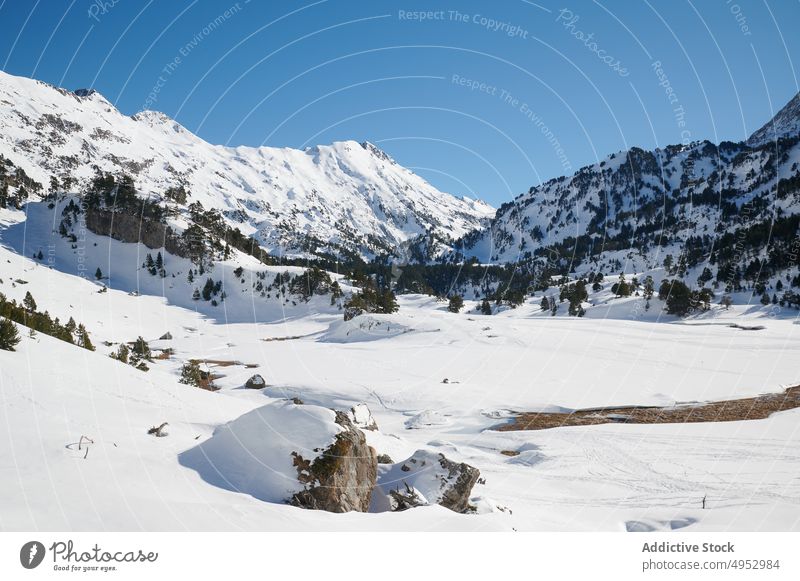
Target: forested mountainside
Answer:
pixel 724 214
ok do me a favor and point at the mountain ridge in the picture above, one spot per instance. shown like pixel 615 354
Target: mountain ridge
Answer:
pixel 345 198
pixel 727 208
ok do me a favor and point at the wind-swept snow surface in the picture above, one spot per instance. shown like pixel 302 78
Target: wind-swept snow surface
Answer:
pixel 610 477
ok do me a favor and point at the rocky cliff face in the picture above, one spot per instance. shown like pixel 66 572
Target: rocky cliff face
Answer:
pixel 127 227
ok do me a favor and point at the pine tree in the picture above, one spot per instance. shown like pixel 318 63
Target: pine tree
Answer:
pixel 71 325
pixel 648 288
pixel 208 289
pixel 486 308
pixel 29 303
pixel 545 304
pixel 576 294
pixel 83 338
pixel 122 353
pixel 150 264
pixel 191 373
pixel 9 336
pixel 336 291
pixel 141 350
pixel 98 274
pixel 621 288
pixel 196 295
pixel 456 303
pixel 190 277
pixel 765 300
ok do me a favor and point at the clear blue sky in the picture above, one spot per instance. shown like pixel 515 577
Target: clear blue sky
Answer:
pixel 301 73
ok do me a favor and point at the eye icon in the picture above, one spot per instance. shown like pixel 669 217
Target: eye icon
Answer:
pixel 31 554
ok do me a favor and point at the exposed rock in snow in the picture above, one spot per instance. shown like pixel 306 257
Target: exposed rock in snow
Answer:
pixel 406 498
pixel 425 478
pixel 342 477
pixel 362 418
pixel 255 382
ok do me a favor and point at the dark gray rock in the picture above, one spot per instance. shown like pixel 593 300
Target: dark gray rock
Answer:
pixel 255 382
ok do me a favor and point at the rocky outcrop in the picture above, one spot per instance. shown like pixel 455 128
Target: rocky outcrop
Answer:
pixel 457 484
pixel 130 227
pixel 426 478
pixel 342 477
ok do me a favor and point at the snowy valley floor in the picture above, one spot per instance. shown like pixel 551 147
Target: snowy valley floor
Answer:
pixel 606 477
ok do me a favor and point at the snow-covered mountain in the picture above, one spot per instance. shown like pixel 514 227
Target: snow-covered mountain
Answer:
pixel 785 124
pixel 732 208
pixel 343 198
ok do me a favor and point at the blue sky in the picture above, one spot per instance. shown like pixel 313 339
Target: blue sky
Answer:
pixel 481 98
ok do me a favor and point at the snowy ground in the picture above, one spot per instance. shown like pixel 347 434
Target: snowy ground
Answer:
pixel 610 477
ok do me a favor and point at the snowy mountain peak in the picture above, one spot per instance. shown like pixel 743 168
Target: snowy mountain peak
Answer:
pixel 347 197
pixel 786 123
pixel 376 151
pixel 152 118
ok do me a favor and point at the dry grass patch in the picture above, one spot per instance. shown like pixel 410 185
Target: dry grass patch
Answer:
pixel 753 408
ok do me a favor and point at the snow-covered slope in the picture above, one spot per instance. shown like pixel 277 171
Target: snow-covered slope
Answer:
pixel 608 477
pixel 345 196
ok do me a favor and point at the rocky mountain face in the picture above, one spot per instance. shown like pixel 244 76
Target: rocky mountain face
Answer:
pixel 346 198
pixel 732 208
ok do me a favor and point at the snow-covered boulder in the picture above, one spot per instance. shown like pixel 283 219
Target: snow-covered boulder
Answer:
pixel 309 456
pixel 425 478
pixel 367 327
pixel 255 382
pixel 426 419
pixel 362 418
